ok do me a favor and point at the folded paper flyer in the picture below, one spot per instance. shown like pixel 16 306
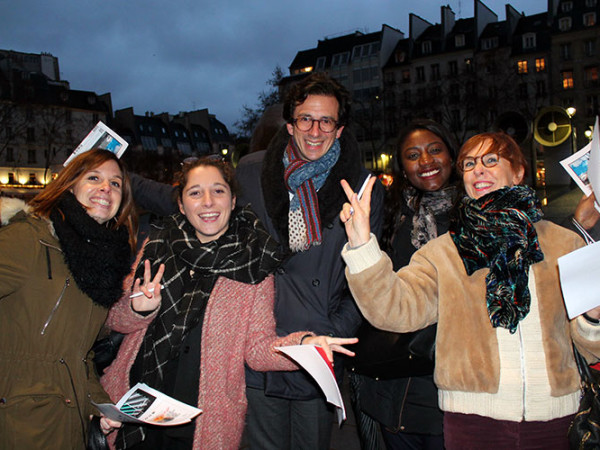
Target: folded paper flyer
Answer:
pixel 102 137
pixel 142 404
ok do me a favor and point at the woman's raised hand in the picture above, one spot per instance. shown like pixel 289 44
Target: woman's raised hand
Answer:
pixel 331 344
pixel 146 296
pixel 356 212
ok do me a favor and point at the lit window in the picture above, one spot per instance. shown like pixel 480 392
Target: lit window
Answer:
pixel 591 76
pixel 522 66
pixel 567 79
pixel 564 24
pixel 589 19
pixel 540 64
pixel 459 40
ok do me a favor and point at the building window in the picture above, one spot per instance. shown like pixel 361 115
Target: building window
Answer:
pixel 540 64
pixel 591 3
pixel 421 73
pixel 529 40
pixel 435 71
pixel 565 51
pixel 567 79
pixel 469 65
pixel 591 76
pixel 426 47
pixel 406 96
pixel 489 43
pixel 30 134
pixel 540 88
pixel 523 90
pixel 95 117
pixel 589 19
pixel 564 24
pixel 320 63
pixel 10 154
pixel 31 156
pixel 589 47
pixel 340 59
pixel 566 6
pixel 28 114
pixel 522 66
pixel 11 178
pixel 459 40
pixel 452 68
pixel 400 57
pixel 32 179
pixel 406 76
pixel 68 116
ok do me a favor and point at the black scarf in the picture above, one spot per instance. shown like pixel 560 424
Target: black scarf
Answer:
pixel 244 253
pixel 497 231
pixel 98 258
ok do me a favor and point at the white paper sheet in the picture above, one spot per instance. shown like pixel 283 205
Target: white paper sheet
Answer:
pixel 317 365
pixel 579 275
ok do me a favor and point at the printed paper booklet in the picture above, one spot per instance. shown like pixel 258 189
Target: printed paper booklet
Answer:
pixel 142 404
pixel 103 137
pixel 584 166
pixel 314 360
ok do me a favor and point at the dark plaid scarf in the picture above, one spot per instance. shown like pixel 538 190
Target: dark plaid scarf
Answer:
pixel 98 258
pixel 497 231
pixel 303 179
pixel 245 253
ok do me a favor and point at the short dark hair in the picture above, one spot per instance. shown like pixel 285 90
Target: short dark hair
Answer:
pixel 225 168
pixel 318 84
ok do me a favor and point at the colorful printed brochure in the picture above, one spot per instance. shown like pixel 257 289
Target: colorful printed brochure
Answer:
pixel 142 404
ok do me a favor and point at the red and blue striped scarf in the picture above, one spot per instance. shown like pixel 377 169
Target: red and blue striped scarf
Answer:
pixel 303 179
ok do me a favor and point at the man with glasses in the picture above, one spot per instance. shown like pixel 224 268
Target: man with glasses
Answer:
pixel 296 192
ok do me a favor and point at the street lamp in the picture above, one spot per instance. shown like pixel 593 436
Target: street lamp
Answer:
pixel 571 112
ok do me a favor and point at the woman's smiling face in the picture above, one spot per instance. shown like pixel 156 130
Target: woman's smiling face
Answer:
pixel 207 202
pixel 426 160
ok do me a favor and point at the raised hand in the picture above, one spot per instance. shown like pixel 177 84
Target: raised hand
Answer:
pixel 356 212
pixel 150 290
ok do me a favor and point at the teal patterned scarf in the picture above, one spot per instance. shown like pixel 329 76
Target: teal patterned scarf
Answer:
pixel 497 231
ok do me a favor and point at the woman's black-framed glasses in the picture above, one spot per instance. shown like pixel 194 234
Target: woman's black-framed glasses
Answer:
pixel 488 160
pixel 305 123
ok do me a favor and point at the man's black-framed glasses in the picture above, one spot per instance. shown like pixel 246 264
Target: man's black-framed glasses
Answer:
pixel 305 123
pixel 488 160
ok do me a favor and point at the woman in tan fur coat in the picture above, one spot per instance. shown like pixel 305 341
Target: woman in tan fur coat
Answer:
pixel 504 364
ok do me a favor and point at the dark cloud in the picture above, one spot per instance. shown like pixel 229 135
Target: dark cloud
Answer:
pixel 178 55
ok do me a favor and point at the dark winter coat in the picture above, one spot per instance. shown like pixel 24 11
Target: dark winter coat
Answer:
pixel 47 327
pixel 311 290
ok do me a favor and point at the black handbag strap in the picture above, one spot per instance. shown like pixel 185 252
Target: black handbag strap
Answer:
pixel 583 367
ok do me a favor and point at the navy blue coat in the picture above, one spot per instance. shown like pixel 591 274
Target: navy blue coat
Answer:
pixel 311 289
